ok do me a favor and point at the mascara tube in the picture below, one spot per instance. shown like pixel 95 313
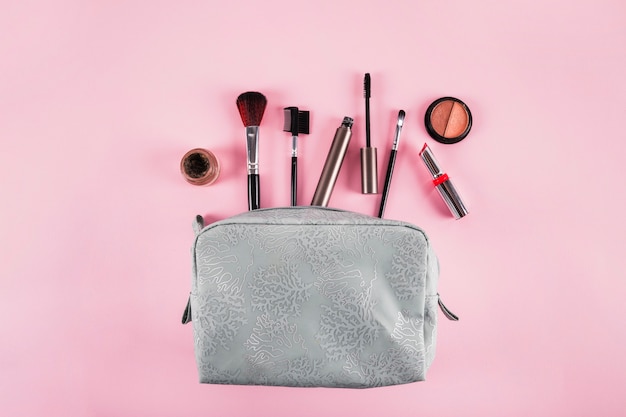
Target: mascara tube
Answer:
pixel 335 157
pixel 443 184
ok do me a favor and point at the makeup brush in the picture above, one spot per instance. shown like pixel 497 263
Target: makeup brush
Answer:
pixel 251 107
pixel 369 164
pixel 296 122
pixel 392 162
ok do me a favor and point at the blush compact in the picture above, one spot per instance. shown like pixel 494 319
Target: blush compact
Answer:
pixel 448 120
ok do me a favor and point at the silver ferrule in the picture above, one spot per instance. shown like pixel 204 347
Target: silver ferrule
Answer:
pixel 396 139
pixel 294 146
pixel 252 142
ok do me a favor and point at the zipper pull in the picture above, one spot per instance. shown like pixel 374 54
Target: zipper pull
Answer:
pixel 198 224
pixel 449 315
pixel 187 312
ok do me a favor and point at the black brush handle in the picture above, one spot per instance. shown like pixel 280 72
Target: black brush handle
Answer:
pixel 254 193
pixel 392 162
pixel 294 181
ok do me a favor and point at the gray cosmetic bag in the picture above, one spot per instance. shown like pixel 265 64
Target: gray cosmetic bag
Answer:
pixel 313 297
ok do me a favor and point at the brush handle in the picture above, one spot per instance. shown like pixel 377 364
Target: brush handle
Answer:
pixel 383 201
pixel 294 181
pixel 254 192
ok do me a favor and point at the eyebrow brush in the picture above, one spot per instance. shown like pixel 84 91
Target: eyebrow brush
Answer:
pixel 369 169
pixel 251 106
pixel 392 162
pixel 296 122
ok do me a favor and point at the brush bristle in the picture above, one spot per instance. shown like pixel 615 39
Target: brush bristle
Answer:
pixel 296 121
pixel 303 122
pixel 251 107
pixel 367 85
pixel 291 120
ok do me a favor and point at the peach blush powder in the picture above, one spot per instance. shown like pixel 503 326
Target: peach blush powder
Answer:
pixel 448 120
pixel 440 116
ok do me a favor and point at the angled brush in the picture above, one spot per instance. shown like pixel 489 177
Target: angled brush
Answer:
pixel 296 122
pixel 251 106
pixel 392 162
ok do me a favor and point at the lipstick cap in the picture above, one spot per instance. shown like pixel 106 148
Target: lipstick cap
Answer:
pixel 369 171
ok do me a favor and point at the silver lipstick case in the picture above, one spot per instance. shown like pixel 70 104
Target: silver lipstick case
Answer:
pixel 443 184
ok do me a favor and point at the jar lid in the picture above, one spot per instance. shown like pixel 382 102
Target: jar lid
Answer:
pixel 200 167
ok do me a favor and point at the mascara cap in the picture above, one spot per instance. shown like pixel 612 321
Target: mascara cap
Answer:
pixel 369 171
pixel 333 163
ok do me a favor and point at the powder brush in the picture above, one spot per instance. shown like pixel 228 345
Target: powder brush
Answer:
pixel 251 106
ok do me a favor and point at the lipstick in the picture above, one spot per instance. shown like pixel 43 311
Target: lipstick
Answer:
pixel 333 163
pixel 443 184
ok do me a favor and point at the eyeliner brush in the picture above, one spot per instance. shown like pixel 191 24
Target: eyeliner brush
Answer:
pixel 392 162
pixel 369 170
pixel 251 106
pixel 296 122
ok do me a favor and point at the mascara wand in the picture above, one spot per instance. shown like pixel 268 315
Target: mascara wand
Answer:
pixel 296 122
pixel 251 106
pixel 369 170
pixel 392 162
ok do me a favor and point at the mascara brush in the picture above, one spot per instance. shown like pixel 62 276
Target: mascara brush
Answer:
pixel 251 106
pixel 369 170
pixel 392 162
pixel 296 122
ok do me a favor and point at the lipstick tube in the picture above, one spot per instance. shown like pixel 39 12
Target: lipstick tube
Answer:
pixel 443 184
pixel 333 163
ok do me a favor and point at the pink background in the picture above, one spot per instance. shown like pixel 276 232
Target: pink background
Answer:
pixel 99 100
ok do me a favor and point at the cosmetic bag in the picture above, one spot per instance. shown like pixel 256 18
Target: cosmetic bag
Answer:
pixel 313 297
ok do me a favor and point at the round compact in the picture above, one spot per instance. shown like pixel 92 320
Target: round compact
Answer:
pixel 448 120
pixel 200 167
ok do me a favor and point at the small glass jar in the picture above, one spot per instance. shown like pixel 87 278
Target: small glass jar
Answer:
pixel 200 167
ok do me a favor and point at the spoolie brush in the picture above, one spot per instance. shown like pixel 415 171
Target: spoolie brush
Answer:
pixel 369 164
pixel 296 122
pixel 251 107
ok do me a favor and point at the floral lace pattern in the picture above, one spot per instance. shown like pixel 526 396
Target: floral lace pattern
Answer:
pixel 312 297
